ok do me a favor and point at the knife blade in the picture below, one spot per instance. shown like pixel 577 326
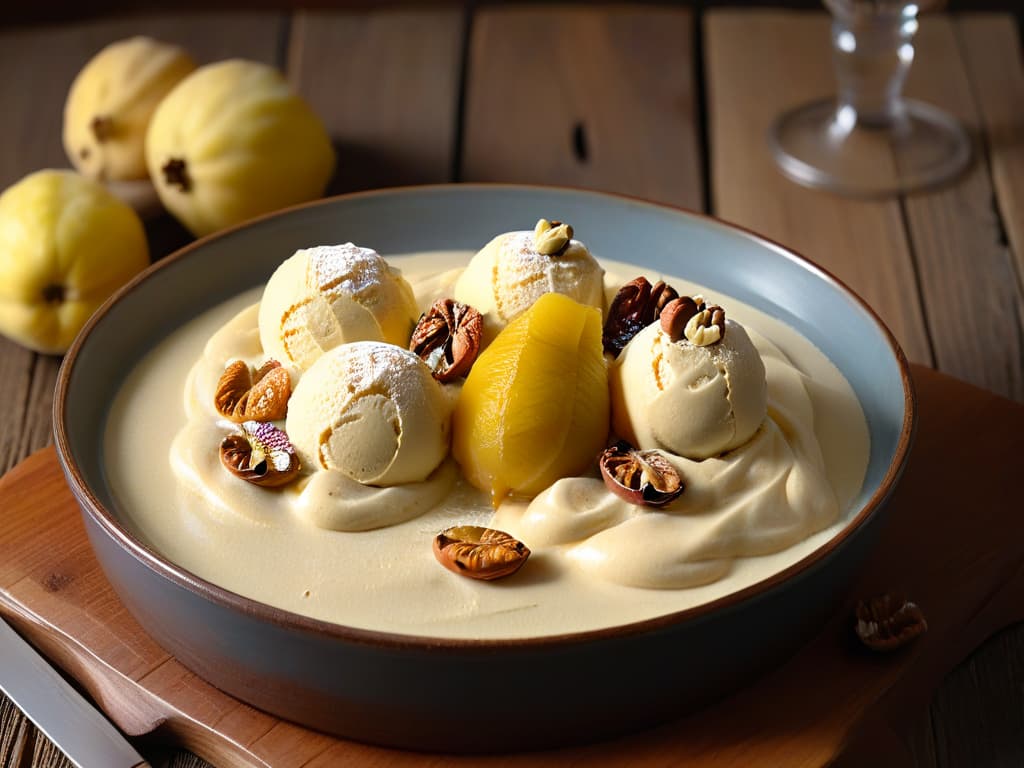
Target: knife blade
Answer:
pixel 78 729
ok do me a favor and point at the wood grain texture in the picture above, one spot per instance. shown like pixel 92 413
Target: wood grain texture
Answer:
pixel 991 49
pixel 966 704
pixel 16 365
pixel 60 600
pixel 758 64
pixel 590 97
pixel 387 86
pixel 14 727
pixel 962 254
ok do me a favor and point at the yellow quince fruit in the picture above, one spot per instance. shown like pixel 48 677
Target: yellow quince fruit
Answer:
pixel 66 244
pixel 232 141
pixel 110 104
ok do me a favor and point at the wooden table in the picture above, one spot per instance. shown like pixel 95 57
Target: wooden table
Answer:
pixel 649 101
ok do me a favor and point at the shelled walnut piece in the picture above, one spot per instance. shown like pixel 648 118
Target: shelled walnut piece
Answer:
pixel 447 338
pixel 887 622
pixel 260 454
pixel 479 553
pixel 244 395
pixel 645 478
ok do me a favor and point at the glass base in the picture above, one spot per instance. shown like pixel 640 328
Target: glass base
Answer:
pixel 822 145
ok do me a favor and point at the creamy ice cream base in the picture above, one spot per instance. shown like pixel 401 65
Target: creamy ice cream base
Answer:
pixel 333 548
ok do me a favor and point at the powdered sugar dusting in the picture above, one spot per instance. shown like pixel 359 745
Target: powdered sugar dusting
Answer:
pixel 344 269
pixel 375 366
pixel 522 275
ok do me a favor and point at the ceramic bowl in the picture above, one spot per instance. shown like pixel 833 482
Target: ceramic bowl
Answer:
pixel 426 693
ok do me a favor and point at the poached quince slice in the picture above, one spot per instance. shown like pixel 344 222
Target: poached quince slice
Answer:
pixel 535 405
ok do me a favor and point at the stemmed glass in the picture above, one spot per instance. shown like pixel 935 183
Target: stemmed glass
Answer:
pixel 869 140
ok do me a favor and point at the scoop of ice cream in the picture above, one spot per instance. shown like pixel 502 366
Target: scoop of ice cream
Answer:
pixel 515 269
pixel 693 401
pixel 371 411
pixel 329 295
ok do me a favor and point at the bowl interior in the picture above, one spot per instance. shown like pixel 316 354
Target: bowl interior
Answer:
pixel 666 240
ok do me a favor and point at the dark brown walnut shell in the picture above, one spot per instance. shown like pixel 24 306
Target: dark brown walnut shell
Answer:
pixel 645 478
pixel 479 553
pixel 243 395
pixel 888 622
pixel 260 454
pixel 447 338
pixel 635 306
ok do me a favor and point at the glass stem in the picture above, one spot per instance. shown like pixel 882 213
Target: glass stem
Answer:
pixel 872 50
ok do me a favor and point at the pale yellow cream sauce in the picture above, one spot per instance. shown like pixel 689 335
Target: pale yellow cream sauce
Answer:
pixel 329 548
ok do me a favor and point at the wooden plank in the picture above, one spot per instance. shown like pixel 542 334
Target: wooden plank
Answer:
pixel 590 97
pixel 387 86
pixel 921 743
pixel 973 297
pixel 13 726
pixel 977 714
pixel 36 427
pixel 990 46
pixel 16 365
pixel 288 744
pixel 758 64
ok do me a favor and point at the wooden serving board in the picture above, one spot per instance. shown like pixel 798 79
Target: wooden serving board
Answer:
pixel 952 543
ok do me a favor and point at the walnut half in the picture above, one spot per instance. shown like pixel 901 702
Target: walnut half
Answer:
pixel 260 454
pixel 243 395
pixel 645 478
pixel 479 553
pixel 887 622
pixel 447 338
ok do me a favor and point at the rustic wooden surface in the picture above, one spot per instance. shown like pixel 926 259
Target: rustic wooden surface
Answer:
pixel 60 601
pixel 648 101
pixel 589 97
pixel 387 87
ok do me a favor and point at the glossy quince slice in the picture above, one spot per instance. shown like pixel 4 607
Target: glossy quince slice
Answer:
pixel 535 406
